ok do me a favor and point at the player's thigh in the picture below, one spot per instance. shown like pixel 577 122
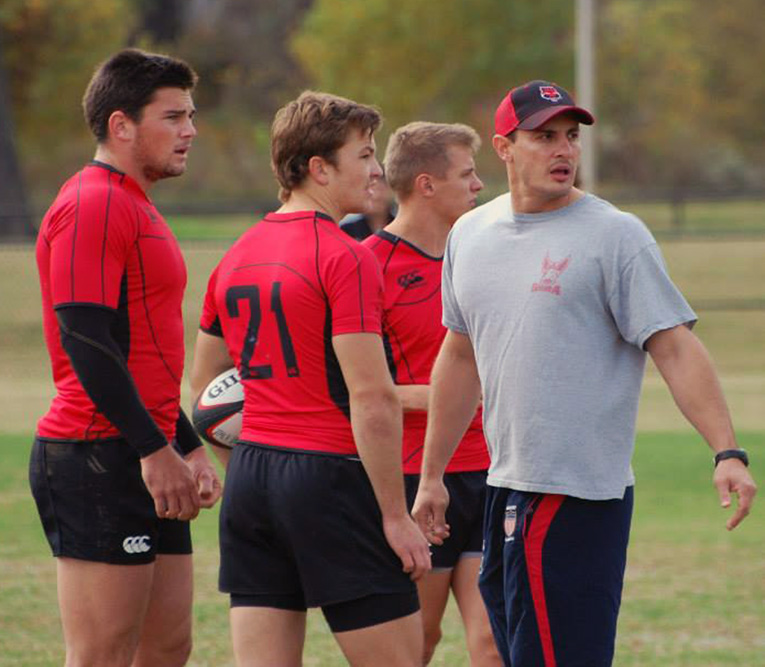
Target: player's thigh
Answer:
pixel 166 632
pixel 480 640
pixel 265 636
pixel 102 606
pixel 396 643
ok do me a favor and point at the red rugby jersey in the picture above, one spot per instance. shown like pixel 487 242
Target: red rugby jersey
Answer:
pixel 103 243
pixel 413 335
pixel 277 297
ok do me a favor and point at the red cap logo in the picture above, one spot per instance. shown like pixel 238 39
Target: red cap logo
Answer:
pixel 550 93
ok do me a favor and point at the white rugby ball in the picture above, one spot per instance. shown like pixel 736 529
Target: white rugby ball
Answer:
pixel 217 413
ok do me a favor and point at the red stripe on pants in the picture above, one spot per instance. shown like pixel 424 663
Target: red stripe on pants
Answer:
pixel 533 544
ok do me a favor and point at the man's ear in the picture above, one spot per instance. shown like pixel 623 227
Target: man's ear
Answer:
pixel 318 170
pixel 502 147
pixel 424 186
pixel 121 127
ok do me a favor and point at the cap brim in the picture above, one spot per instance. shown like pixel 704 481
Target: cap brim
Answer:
pixel 539 118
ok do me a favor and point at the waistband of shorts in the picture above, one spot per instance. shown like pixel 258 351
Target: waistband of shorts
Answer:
pixel 74 441
pixel 296 450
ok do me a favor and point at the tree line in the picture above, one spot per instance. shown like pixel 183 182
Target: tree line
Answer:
pixel 679 87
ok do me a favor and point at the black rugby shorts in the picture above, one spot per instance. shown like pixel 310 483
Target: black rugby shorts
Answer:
pixel 300 529
pixel 94 505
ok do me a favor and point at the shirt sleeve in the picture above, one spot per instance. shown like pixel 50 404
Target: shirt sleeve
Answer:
pixel 645 300
pixel 186 437
pixel 452 317
pixel 90 244
pixel 210 321
pixel 354 286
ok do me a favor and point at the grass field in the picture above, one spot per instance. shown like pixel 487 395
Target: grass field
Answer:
pixel 723 279
pixel 694 593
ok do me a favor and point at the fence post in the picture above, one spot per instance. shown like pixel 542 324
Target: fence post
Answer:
pixel 677 202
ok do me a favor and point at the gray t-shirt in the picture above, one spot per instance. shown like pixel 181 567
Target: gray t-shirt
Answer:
pixel 558 307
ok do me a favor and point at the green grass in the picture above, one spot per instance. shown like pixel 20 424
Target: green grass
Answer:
pixel 224 228
pixel 693 593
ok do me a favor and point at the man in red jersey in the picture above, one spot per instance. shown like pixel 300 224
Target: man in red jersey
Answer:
pixel 431 169
pixel 314 513
pixel 113 495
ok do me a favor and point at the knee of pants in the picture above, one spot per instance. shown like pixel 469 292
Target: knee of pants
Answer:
pixel 493 596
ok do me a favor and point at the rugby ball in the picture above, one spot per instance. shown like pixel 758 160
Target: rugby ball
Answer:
pixel 217 413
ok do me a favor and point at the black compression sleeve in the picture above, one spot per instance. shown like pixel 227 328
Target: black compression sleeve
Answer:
pixel 185 435
pixel 102 370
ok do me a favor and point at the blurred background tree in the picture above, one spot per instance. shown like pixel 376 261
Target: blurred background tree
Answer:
pixel 679 86
pixel 678 94
pixel 50 49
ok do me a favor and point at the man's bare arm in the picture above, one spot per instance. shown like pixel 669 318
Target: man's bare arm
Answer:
pixel 376 422
pixel 413 397
pixel 687 368
pixel 455 392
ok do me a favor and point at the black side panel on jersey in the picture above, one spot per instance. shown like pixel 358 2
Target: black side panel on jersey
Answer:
pixel 120 329
pixel 389 359
pixel 338 390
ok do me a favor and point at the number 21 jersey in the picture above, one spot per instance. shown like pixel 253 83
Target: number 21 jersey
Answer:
pixel 278 296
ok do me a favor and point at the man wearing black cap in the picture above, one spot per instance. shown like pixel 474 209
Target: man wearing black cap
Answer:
pixel 552 297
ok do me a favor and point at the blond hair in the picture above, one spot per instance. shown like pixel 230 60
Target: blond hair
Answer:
pixel 422 147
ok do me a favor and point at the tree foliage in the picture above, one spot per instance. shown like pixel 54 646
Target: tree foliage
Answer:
pixel 678 80
pixel 650 90
pixel 239 48
pixel 434 58
pixel 679 86
pixel 679 90
pixel 50 50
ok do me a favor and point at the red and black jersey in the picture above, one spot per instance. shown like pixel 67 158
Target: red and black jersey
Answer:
pixel 278 296
pixel 103 244
pixel 413 334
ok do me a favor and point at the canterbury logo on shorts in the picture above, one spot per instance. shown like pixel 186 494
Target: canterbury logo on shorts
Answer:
pixel 136 545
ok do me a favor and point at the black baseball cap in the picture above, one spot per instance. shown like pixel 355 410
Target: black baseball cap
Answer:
pixel 531 105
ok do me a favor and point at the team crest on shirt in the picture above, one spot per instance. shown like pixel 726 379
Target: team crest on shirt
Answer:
pixel 411 280
pixel 511 512
pixel 551 275
pixel 550 93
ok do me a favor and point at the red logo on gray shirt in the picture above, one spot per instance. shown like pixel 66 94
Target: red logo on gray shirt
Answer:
pixel 550 275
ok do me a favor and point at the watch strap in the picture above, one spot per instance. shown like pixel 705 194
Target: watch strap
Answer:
pixel 739 454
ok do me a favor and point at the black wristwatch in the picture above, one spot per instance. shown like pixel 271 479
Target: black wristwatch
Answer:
pixel 739 454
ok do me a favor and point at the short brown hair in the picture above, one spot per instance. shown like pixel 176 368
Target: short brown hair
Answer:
pixel 127 82
pixel 421 147
pixel 315 124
